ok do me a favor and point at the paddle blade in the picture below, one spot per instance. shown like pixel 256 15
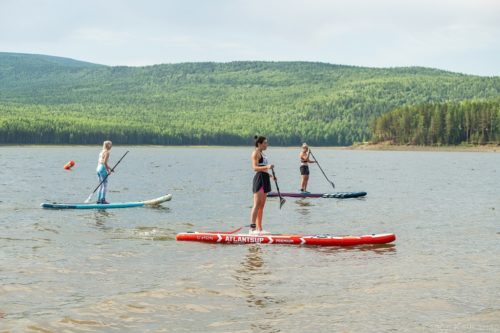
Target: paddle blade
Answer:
pixel 89 198
pixel 282 202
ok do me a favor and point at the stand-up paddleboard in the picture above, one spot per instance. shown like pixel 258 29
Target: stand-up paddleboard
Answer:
pixel 337 195
pixel 283 239
pixel 152 202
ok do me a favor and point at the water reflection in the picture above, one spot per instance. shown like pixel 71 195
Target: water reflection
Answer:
pixel 304 206
pixel 100 217
pixel 159 208
pixel 380 249
pixel 304 202
pixel 253 277
pixel 248 275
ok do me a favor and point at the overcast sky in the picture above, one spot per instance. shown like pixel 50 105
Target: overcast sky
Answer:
pixel 456 35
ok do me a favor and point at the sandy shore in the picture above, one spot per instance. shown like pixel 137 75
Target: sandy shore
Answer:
pixel 461 148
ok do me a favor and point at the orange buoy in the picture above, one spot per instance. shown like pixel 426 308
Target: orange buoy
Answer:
pixel 69 165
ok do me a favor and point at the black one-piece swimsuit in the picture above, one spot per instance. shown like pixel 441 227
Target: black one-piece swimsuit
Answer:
pixel 261 180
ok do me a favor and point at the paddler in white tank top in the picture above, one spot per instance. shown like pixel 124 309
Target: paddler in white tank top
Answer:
pixel 103 170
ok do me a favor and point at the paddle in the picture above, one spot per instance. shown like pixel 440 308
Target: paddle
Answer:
pixel 282 200
pixel 112 169
pixel 310 152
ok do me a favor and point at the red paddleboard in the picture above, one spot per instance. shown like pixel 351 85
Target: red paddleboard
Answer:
pixel 284 239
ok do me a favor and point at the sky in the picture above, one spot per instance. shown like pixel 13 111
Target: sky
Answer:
pixel 456 35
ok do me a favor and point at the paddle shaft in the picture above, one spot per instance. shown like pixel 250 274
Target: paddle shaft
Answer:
pixel 315 159
pixel 112 169
pixel 282 201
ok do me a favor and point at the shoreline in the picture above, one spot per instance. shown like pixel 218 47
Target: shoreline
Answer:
pixel 490 148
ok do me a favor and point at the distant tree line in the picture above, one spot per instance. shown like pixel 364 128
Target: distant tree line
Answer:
pixel 472 122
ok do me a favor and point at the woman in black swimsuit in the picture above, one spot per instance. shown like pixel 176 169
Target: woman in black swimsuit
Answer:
pixel 261 184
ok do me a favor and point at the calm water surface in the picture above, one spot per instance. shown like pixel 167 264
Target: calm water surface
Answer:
pixel 123 271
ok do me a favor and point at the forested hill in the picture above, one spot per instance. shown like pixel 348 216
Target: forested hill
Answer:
pixel 56 100
pixel 16 67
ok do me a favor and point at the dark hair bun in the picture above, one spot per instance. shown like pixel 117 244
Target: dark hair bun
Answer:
pixel 255 137
pixel 259 139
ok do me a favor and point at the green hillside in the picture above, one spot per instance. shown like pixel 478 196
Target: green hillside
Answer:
pixel 56 100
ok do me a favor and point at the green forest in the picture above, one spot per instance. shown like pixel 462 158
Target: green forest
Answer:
pixel 51 100
pixel 470 122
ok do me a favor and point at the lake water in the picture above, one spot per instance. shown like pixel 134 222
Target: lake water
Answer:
pixel 122 270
